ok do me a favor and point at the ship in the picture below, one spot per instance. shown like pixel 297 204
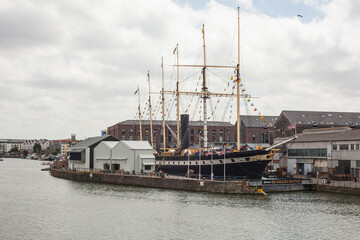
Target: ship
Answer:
pixel 205 162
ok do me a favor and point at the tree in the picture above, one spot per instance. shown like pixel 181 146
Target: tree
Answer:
pixel 37 148
pixel 15 149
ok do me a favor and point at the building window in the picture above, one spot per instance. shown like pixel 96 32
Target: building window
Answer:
pixel 131 137
pixel 131 131
pixel 147 167
pixel 317 152
pixel 123 131
pixel 123 137
pixel 334 147
pixel 357 146
pixel 352 146
pixel 344 147
pixel 253 137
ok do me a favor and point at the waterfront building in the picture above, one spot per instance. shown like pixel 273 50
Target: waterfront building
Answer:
pixel 218 132
pixel 322 151
pixel 291 122
pixel 28 144
pixel 7 144
pixel 64 148
pixel 82 153
pixel 256 130
pixel 56 145
pixel 129 156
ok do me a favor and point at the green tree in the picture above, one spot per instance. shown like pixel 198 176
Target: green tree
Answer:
pixel 15 149
pixel 37 148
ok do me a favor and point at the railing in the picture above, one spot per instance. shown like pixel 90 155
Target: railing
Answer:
pixel 156 175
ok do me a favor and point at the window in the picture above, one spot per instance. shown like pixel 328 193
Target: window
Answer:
pixel 357 146
pixel 147 167
pixel 334 147
pixel 352 146
pixel 131 137
pixel 131 130
pixel 123 131
pixel 344 147
pixel 317 152
pixel 123 137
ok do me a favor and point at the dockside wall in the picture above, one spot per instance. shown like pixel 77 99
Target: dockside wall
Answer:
pixel 336 189
pixel 234 187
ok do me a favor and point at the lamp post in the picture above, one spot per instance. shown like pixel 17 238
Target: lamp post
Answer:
pixel 224 162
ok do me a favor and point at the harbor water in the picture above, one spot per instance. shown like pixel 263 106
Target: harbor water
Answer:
pixel 35 205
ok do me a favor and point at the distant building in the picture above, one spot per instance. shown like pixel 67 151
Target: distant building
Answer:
pixel 28 144
pixel 291 121
pixel 65 148
pixel 56 145
pixel 7 144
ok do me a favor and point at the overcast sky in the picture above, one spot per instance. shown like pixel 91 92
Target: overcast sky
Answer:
pixel 73 66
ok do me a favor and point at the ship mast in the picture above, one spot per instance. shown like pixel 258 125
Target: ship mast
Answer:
pixel 177 98
pixel 238 87
pixel 163 104
pixel 138 92
pixel 151 130
pixel 204 90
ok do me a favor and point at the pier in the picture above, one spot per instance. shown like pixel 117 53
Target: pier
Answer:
pixel 169 182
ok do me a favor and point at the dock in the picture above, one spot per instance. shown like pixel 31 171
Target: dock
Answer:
pixel 168 182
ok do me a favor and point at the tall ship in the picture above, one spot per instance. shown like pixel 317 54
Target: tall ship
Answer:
pixel 205 161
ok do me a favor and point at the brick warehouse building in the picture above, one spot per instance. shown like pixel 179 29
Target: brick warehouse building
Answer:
pixel 291 121
pixel 257 129
pixel 253 131
pixel 129 130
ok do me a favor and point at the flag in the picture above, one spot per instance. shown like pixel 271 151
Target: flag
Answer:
pixel 137 90
pixel 175 50
pixel 203 30
pixel 291 126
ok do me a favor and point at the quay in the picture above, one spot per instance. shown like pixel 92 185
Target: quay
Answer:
pixel 255 187
pixel 169 182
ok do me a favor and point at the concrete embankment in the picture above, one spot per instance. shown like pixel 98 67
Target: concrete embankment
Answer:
pixel 336 189
pixel 234 187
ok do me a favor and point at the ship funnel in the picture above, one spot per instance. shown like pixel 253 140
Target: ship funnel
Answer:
pixel 184 131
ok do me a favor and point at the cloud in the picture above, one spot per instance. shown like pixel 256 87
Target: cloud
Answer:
pixel 72 67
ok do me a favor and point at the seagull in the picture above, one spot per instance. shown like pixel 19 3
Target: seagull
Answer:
pixel 300 16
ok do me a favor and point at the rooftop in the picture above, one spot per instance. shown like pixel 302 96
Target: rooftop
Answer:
pixel 323 118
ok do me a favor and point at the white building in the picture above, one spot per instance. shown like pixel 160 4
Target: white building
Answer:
pixel 7 144
pixel 82 153
pixel 130 156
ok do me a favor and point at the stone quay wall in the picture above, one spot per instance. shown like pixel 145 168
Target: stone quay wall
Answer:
pixel 233 187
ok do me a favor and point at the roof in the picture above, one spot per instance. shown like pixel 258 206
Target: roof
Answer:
pixel 256 121
pixel 111 144
pixel 173 123
pixel 138 145
pixel 91 141
pixel 147 156
pixel 330 135
pixel 323 118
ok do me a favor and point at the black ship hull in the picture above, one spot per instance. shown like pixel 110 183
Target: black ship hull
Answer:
pixel 246 164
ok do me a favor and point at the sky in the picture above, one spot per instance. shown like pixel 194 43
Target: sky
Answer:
pixel 73 66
